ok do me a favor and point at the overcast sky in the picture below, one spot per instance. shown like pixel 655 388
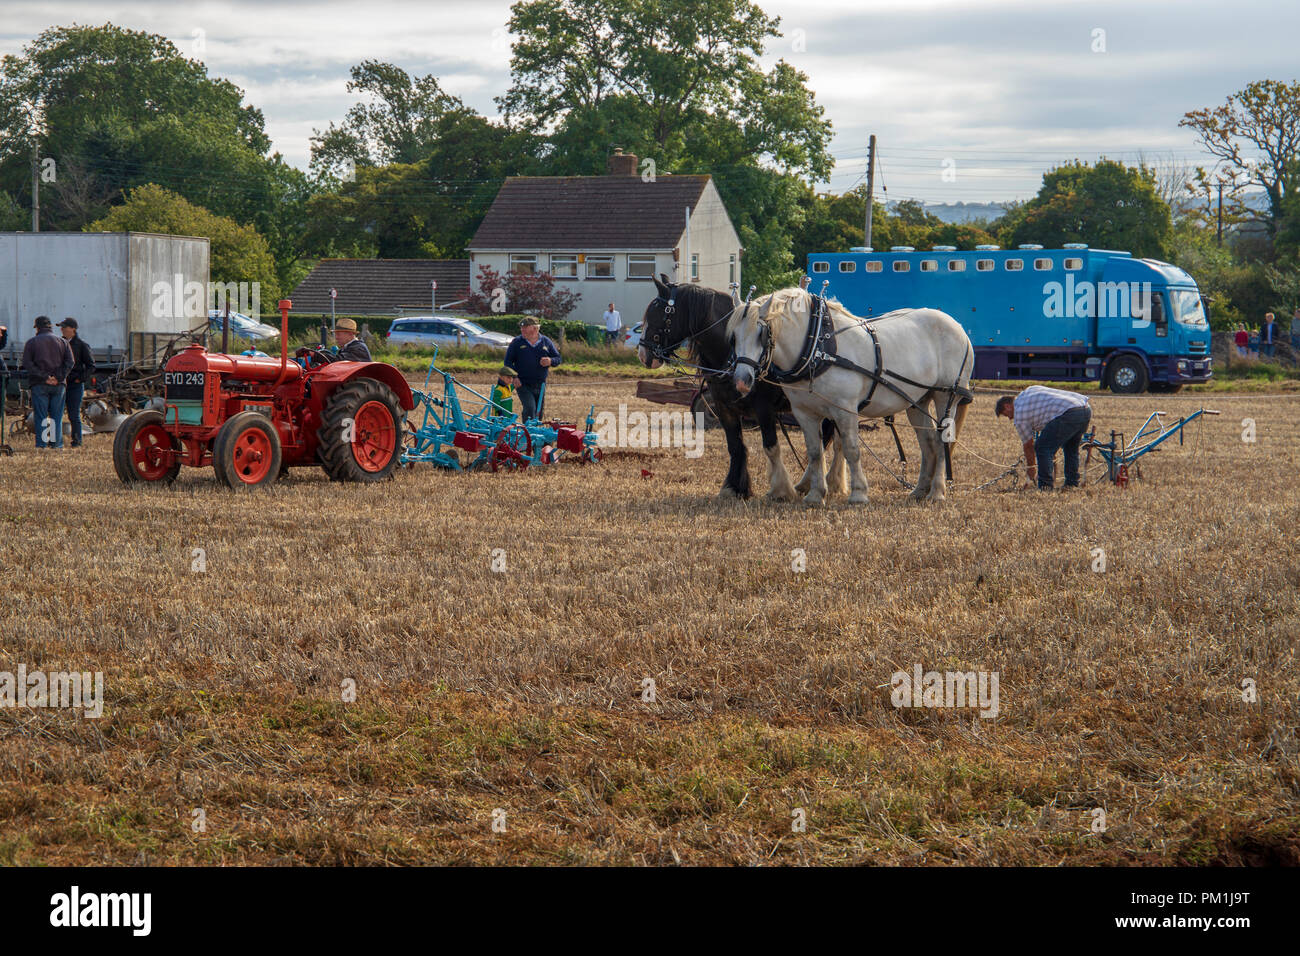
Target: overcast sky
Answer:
pixel 991 91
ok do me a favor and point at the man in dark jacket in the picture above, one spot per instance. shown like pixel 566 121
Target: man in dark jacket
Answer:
pixel 351 348
pixel 532 355
pixel 83 369
pixel 47 361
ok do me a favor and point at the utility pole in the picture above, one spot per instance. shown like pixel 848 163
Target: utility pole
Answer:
pixel 871 177
pixel 1220 230
pixel 36 188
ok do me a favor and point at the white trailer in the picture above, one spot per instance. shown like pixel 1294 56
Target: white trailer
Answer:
pixel 133 294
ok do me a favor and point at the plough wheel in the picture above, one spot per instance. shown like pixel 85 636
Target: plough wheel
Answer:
pixel 514 449
pixel 1121 478
pixel 593 455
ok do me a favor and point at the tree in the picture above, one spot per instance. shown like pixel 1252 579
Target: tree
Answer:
pixel 238 253
pixel 531 293
pixel 1109 205
pixel 677 82
pixel 1264 118
pixel 116 108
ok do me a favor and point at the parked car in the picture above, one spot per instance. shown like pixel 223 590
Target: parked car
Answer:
pixel 242 326
pixel 632 336
pixel 443 331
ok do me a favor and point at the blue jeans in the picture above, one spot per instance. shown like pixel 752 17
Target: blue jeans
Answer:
pixel 47 403
pixel 74 396
pixel 530 394
pixel 1266 348
pixel 1063 432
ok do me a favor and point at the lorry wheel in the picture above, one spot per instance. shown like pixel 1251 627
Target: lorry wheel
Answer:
pixel 246 452
pixel 360 436
pixel 1128 375
pixel 140 450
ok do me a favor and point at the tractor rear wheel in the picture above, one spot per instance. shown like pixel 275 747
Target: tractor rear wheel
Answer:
pixel 141 446
pixel 360 436
pixel 246 452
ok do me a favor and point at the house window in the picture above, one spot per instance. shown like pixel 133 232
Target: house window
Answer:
pixel 564 266
pixel 875 265
pixel 600 267
pixel 983 265
pixel 640 267
pixel 1015 265
pixel 1043 265
pixel 847 265
pixel 695 267
pixel 956 265
pixel 901 265
pixel 821 267
pixel 523 264
pixel 1073 265
pixel 731 275
pixel 929 265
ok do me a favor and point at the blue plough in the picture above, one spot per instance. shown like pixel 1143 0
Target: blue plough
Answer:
pixel 449 438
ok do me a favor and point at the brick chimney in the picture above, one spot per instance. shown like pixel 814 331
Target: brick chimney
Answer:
pixel 621 164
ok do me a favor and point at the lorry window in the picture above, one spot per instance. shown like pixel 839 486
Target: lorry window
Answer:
pixel 1158 315
pixel 901 266
pixel 929 265
pixel 1073 265
pixel 821 267
pixel 1043 265
pixel 984 265
pixel 1015 265
pixel 956 265
pixel 875 265
pixel 1188 308
pixel 847 265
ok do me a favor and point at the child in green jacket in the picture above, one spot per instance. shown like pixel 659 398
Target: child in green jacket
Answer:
pixel 502 397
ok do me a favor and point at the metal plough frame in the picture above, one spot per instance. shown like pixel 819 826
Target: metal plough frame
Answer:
pixel 496 441
pixel 1119 454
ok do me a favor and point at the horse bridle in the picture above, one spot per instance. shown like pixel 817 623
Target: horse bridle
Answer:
pixel 763 365
pixel 665 353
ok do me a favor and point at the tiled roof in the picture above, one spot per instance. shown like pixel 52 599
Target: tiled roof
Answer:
pixel 589 212
pixel 379 286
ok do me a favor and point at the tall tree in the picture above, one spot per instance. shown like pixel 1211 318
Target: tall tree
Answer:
pixel 1256 135
pixel 1108 205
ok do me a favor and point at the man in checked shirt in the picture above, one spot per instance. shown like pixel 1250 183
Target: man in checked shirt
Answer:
pixel 1059 418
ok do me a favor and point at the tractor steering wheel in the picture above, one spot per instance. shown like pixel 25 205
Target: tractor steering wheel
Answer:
pixel 314 357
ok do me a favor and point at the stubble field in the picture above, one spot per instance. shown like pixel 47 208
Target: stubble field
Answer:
pixel 500 717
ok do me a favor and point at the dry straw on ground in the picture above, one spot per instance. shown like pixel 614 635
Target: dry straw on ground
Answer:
pixel 522 692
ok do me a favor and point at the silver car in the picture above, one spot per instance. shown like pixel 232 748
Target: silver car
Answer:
pixel 443 331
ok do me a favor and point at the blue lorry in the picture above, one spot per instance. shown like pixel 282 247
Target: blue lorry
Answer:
pixel 1073 314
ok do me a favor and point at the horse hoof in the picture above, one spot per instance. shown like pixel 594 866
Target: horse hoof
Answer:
pixel 860 499
pixel 776 495
pixel 813 501
pixel 729 493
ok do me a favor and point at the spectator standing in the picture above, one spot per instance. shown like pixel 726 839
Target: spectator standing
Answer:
pixel 1295 332
pixel 532 356
pixel 502 395
pixel 1242 340
pixel 1060 419
pixel 47 361
pixel 1267 335
pixel 83 368
pixel 613 324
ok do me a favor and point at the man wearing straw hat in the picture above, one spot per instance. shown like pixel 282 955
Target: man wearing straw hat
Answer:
pixel 351 348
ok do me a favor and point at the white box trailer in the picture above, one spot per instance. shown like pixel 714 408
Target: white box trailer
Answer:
pixel 132 293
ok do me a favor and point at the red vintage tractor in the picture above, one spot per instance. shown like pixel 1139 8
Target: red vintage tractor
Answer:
pixel 251 418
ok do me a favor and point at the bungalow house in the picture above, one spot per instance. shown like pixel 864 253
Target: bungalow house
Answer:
pixel 607 236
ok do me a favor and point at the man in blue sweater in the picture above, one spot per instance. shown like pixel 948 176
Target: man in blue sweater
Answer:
pixel 532 355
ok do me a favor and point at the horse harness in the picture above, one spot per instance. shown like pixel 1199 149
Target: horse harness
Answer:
pixel 820 352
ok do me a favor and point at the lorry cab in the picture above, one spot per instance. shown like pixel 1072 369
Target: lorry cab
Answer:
pixel 1068 314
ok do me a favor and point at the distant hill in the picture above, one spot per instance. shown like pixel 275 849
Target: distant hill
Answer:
pixel 961 212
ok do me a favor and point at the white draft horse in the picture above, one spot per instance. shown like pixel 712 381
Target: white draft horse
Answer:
pixel 832 364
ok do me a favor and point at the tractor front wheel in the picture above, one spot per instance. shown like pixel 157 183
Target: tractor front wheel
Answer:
pixel 143 450
pixel 246 452
pixel 361 433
